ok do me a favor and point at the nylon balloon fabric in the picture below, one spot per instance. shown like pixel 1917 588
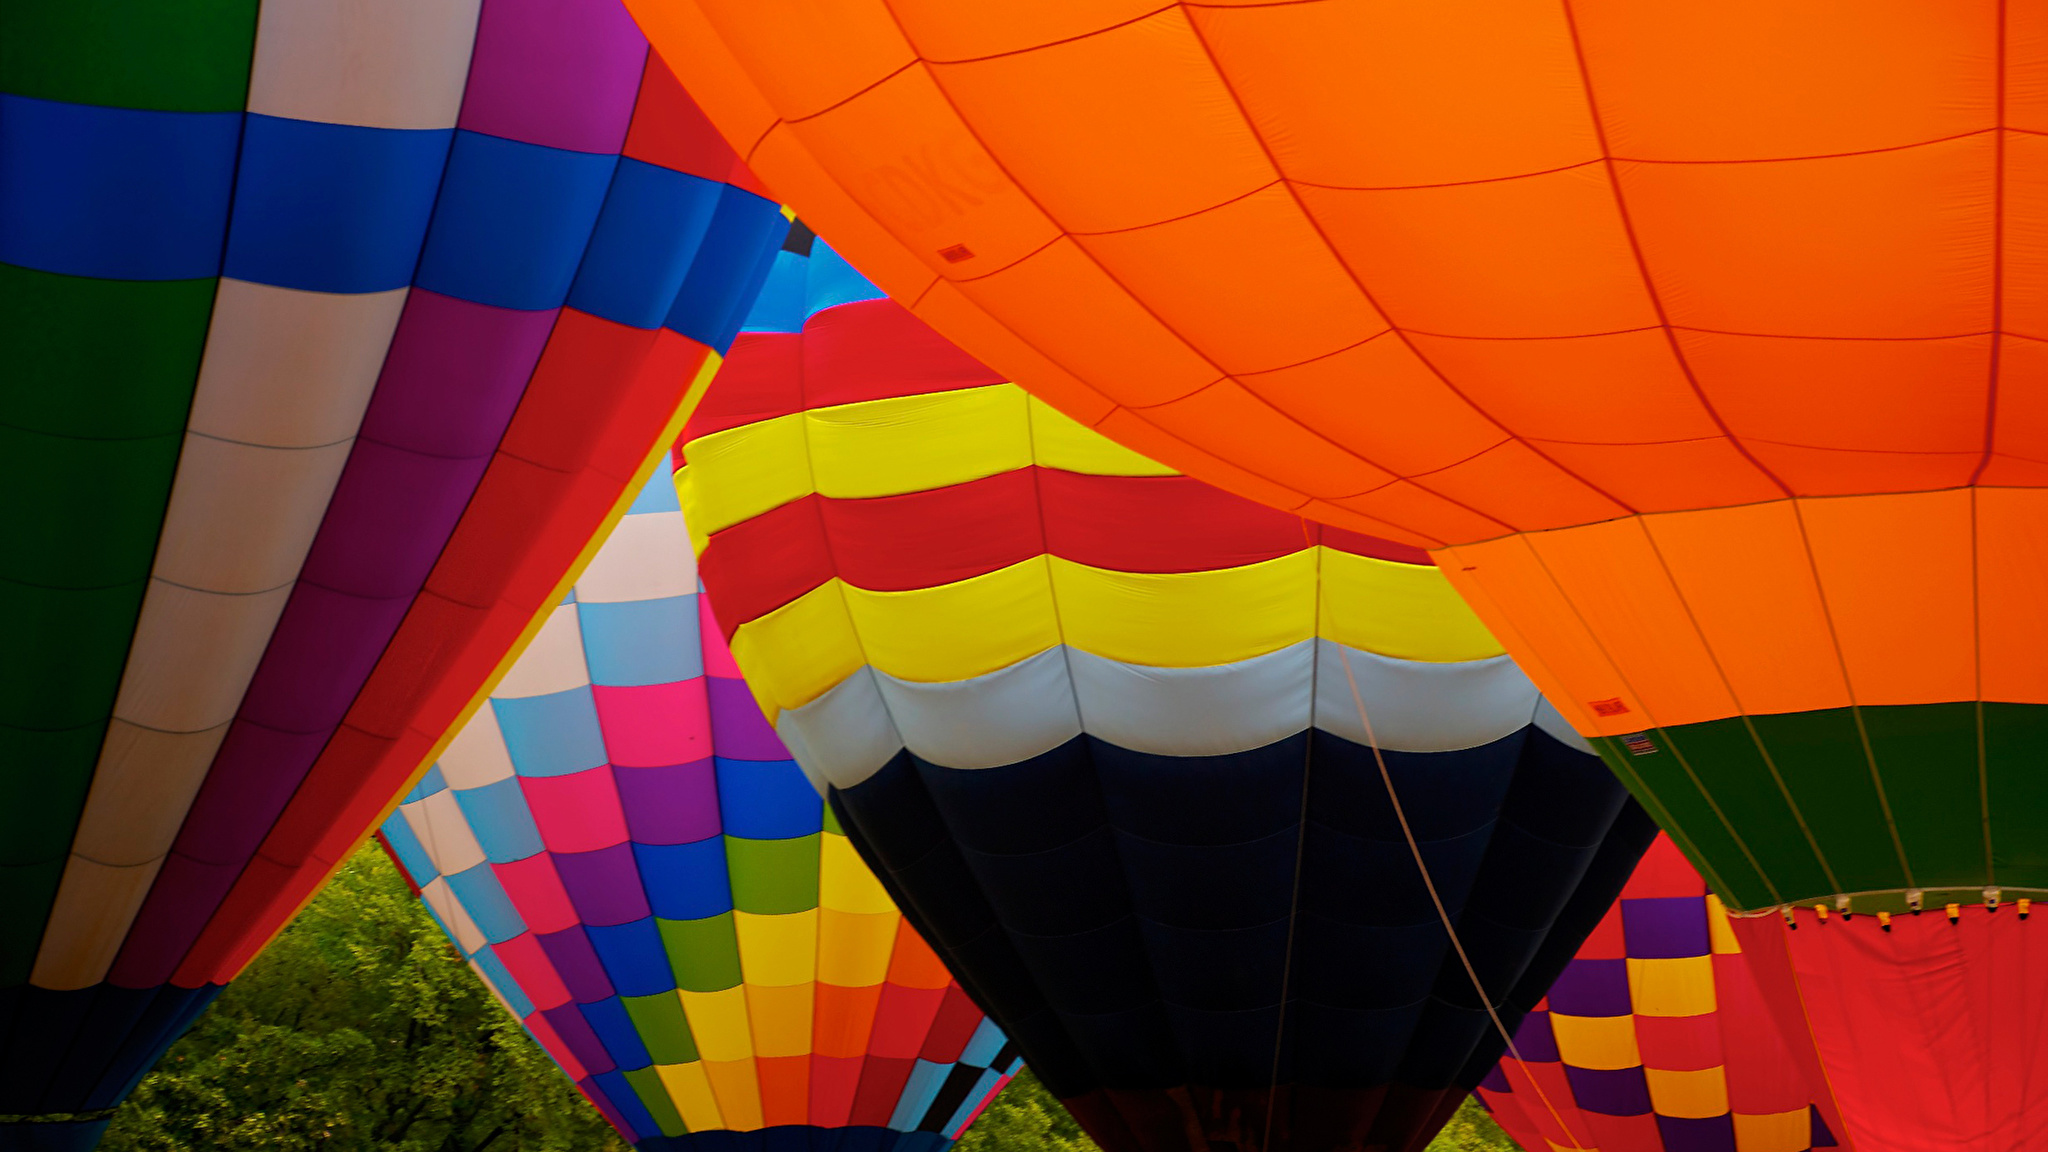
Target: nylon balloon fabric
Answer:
pixel 334 333
pixel 1930 1028
pixel 1093 723
pixel 629 858
pixel 1657 1039
pixel 1592 302
pixel 1747 254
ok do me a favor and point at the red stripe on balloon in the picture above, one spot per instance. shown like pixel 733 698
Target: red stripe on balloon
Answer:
pixel 846 354
pixel 600 396
pixel 943 535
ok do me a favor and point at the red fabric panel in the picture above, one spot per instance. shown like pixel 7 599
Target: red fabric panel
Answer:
pixel 1766 950
pixel 1160 524
pixel 925 539
pixel 785 1089
pixel 1766 1076
pixel 881 1087
pixel 952 1028
pixel 598 399
pixel 670 131
pixel 1663 871
pixel 834 1080
pixel 1526 1106
pixel 1685 1043
pixel 1359 544
pixel 758 565
pixel 942 535
pixel 1933 1033
pixel 875 349
pixel 592 371
pixel 762 378
pixel 536 892
pixel 1620 1133
pixel 1507 1111
pixel 1606 941
pixel 528 962
pixel 433 622
pixel 903 1019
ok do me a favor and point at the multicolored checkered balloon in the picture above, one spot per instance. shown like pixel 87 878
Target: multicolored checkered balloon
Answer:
pixel 626 853
pixel 1656 1038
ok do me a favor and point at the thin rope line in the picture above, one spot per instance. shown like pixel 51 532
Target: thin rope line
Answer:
pixel 1308 535
pixel 1450 930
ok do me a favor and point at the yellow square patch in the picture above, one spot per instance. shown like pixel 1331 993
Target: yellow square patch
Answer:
pixel 1680 986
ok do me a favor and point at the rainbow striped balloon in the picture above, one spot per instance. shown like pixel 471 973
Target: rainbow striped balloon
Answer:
pixel 331 333
pixel 627 854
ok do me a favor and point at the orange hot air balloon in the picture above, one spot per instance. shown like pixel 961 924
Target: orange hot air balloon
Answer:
pixel 1700 341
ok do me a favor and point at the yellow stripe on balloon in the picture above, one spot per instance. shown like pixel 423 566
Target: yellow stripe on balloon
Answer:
pixel 973 627
pixel 845 883
pixel 738 474
pixel 795 653
pixel 781 1018
pixel 916 443
pixel 690 1089
pixel 854 947
pixel 885 448
pixel 960 630
pixel 778 950
pixel 1059 441
pixel 1406 611
pixel 1186 619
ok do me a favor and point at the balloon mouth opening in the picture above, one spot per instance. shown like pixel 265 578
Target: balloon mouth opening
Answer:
pixel 1881 906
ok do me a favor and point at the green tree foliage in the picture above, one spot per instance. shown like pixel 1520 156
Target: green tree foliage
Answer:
pixel 359 1028
pixel 1472 1130
pixel 1026 1118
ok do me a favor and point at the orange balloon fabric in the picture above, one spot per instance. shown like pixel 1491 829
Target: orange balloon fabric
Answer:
pixel 1445 271
pixel 1700 342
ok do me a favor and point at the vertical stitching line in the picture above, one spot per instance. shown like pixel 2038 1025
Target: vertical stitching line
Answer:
pixel 1855 708
pixel 1628 228
pixel 1748 724
pixel 1997 254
